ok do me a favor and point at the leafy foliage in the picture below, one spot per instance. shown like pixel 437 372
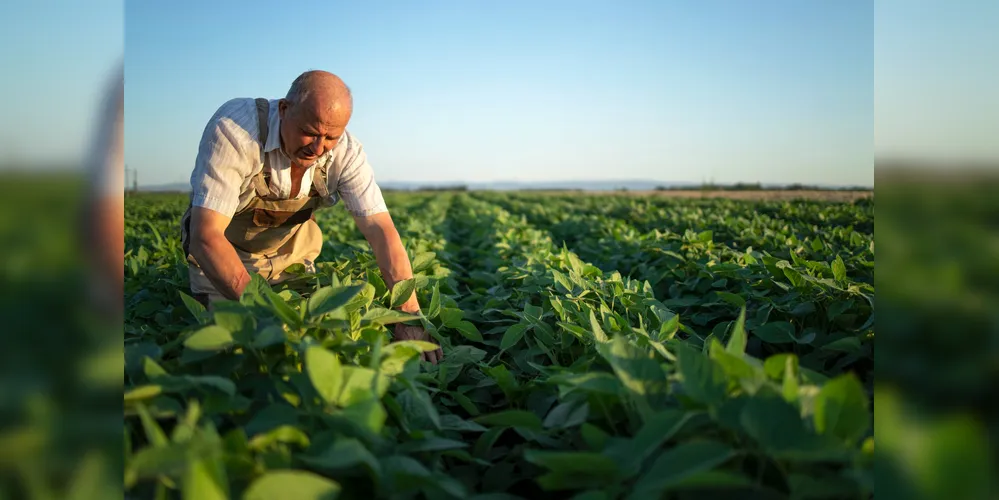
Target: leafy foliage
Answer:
pixel 596 347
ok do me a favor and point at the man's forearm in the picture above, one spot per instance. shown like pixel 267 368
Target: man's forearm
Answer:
pixel 393 261
pixel 221 264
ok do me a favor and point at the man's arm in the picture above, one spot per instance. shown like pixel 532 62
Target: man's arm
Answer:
pixel 215 254
pixel 389 252
pixel 226 156
pixel 394 263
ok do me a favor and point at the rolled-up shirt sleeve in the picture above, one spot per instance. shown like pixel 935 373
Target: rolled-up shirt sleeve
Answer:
pixel 223 159
pixel 357 187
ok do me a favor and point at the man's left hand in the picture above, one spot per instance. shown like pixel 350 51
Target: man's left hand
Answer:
pixel 411 332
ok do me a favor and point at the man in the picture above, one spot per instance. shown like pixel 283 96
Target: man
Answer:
pixel 263 168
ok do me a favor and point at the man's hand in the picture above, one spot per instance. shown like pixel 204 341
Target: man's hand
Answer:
pixel 215 255
pixel 410 332
pixel 394 263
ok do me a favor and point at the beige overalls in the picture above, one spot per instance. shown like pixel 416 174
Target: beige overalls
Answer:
pixel 269 234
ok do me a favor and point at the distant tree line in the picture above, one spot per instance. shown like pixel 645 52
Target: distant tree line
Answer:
pixel 458 187
pixel 746 186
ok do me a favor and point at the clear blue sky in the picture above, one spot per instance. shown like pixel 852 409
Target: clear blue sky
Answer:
pixel 773 91
pixel 777 91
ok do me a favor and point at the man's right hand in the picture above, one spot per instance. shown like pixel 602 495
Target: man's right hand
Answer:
pixel 215 255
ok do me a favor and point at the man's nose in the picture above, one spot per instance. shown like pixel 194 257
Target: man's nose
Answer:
pixel 317 146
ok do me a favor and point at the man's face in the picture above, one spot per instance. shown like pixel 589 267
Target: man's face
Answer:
pixel 311 128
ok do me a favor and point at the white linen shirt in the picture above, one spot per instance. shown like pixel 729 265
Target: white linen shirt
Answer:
pixel 229 157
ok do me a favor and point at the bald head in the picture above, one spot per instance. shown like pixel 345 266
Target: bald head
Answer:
pixel 319 88
pixel 314 115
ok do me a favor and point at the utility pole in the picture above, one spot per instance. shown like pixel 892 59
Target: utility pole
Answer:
pixel 135 179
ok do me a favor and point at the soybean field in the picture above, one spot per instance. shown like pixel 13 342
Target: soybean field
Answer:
pixel 595 347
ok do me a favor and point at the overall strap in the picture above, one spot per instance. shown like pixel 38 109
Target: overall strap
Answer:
pixel 319 180
pixel 331 169
pixel 263 113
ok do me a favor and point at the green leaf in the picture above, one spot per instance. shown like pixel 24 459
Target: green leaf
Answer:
pixel 402 291
pixel 839 269
pixel 504 379
pixel 846 344
pixel 639 372
pixel 468 330
pixel 404 473
pixel 342 454
pixel 170 459
pixel 360 383
pixel 423 261
pixel 778 428
pixel 456 423
pixel 282 434
pixel 209 338
pixel 464 354
pixel 284 312
pixel 737 341
pixel 511 418
pixel 325 372
pixel 598 332
pixel 419 410
pixel 567 414
pixel 270 335
pixel 714 480
pixel 399 358
pixel 368 414
pixel 271 417
pixel 330 298
pixel 777 332
pixel 593 382
pixel 573 469
pixel 154 434
pixel 183 382
pixel 416 345
pixel 733 299
pixel 143 392
pixel 841 409
pixel 234 320
pixel 431 444
pixel 629 454
pixel 513 335
pixel 487 440
pixel 255 292
pixel 382 316
pixel 435 302
pixel 561 280
pixel 193 306
pixel 789 387
pixel 703 378
pixel 203 481
pixel 297 484
pixel 678 464
pixel 595 438
pixel 808 486
pixel 451 317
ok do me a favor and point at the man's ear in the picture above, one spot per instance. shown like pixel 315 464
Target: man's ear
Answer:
pixel 283 105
